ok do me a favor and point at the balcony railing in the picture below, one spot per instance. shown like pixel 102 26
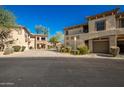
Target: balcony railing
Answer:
pixel 95 34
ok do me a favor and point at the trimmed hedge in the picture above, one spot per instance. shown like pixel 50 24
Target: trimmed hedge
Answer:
pixel 16 48
pixel 23 48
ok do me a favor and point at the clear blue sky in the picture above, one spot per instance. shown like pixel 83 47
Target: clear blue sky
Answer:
pixel 55 17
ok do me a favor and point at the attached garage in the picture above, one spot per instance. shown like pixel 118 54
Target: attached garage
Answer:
pixel 120 44
pixel 101 46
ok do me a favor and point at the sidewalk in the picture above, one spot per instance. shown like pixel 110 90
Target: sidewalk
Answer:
pixel 46 53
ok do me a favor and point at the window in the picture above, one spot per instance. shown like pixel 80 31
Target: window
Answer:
pixel 72 37
pixel 100 25
pixel 37 38
pixel 85 29
pixel 67 38
pixel 78 37
pixel 67 43
pixel 121 23
pixel 66 32
pixel 43 38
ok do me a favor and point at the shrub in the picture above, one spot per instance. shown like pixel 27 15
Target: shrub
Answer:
pixel 63 49
pixel 49 47
pixel 17 48
pixel 8 50
pixel 83 49
pixel 30 47
pixel 23 48
pixel 115 51
pixel 68 49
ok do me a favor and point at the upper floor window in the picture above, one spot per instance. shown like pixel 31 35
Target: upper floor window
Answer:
pixel 85 29
pixel 78 37
pixel 66 32
pixel 67 38
pixel 72 37
pixel 100 25
pixel 121 23
pixel 43 38
pixel 38 38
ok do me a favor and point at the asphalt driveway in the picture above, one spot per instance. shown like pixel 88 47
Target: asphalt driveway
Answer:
pixel 61 72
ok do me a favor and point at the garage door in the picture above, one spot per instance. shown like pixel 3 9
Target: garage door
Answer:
pixel 121 46
pixel 101 46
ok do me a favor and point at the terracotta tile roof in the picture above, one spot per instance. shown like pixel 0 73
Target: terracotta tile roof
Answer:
pixel 42 35
pixel 75 26
pixel 121 14
pixel 107 13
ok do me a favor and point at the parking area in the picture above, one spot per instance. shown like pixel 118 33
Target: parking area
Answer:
pixel 61 72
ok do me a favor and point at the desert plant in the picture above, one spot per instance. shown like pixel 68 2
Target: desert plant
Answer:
pixel 8 50
pixel 83 49
pixel 23 48
pixel 115 51
pixel 68 49
pixel 17 48
pixel 30 47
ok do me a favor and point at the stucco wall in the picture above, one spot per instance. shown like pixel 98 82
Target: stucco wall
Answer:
pixel 32 42
pixel 110 23
pixel 19 37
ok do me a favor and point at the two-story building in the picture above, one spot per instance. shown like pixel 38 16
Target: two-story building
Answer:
pixel 23 37
pixel 101 32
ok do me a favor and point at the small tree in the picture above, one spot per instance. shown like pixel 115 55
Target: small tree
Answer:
pixel 59 36
pixel 40 29
pixel 56 38
pixel 53 40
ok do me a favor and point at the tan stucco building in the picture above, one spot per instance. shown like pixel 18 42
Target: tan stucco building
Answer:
pixel 101 32
pixel 22 37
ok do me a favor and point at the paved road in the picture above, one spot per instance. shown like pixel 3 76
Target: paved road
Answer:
pixel 61 72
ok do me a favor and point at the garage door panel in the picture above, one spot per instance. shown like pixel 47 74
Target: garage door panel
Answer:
pixel 101 46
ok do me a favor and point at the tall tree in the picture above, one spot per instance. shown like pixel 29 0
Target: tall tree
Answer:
pixel 7 21
pixel 59 36
pixel 53 40
pixel 40 29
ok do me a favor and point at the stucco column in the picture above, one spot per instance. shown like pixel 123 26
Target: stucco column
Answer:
pixel 112 42
pixel 36 42
pixel 91 45
pixel 46 46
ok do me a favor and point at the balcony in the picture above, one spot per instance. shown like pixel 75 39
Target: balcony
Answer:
pixel 95 34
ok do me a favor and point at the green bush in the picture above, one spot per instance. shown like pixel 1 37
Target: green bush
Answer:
pixel 49 47
pixel 30 47
pixel 8 50
pixel 17 48
pixel 68 49
pixel 83 49
pixel 63 50
pixel 23 48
